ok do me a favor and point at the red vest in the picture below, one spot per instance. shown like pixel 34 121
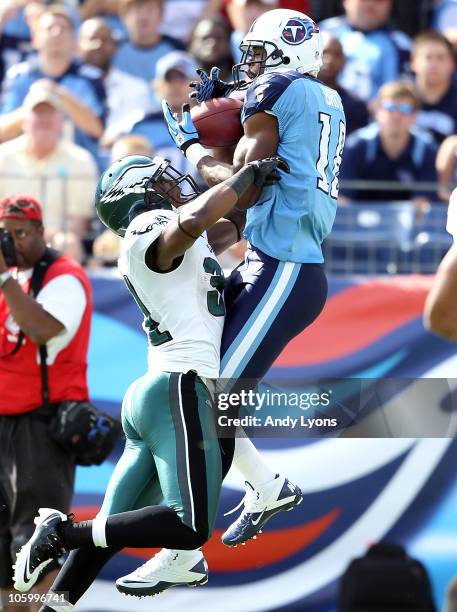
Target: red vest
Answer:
pixel 20 381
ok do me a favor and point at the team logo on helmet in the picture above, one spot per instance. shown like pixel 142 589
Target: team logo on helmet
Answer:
pixel 297 30
pixel 136 174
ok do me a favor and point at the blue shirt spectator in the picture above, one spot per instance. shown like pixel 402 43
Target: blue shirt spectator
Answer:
pixel 445 15
pixel 78 87
pixel 174 71
pixel 433 64
pixel 145 46
pixel 375 53
pixel 390 150
pixel 210 45
pixel 365 159
pixel 14 38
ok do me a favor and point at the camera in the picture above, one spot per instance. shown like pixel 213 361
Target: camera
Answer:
pixel 7 247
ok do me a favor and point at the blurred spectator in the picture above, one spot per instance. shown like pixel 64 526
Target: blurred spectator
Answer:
pixel 78 87
pixel 146 45
pixel 432 61
pixel 14 35
pixel 105 251
pixel 58 172
pixel 375 52
pixel 189 11
pixel 355 109
pixel 444 15
pixel 446 167
pixel 390 150
pixel 109 9
pixel 68 243
pixel 412 17
pixel 210 45
pixel 131 145
pixel 174 71
pixel 242 14
pixel 125 94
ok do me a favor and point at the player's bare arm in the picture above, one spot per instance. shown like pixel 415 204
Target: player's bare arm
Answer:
pixel 261 139
pixel 440 314
pixel 207 209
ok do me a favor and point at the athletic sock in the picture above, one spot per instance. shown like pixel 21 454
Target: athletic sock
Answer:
pixel 153 526
pixel 250 463
pixel 75 535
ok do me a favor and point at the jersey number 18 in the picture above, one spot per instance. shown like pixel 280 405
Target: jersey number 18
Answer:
pixel 327 180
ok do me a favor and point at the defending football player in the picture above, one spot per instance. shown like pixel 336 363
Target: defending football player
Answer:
pixel 281 287
pixel 171 451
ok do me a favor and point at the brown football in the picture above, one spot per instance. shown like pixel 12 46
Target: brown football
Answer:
pixel 218 122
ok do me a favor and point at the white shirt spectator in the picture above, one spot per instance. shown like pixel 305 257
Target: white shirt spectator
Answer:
pixel 64 181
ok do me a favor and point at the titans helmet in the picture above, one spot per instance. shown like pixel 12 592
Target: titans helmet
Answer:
pixel 136 184
pixel 291 41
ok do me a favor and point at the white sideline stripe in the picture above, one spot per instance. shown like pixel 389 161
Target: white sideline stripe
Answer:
pixel 186 450
pixel 251 335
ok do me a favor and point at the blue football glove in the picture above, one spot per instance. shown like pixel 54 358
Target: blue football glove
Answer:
pixel 184 132
pixel 210 86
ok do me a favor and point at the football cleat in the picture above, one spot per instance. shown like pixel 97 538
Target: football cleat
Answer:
pixel 260 505
pixel 43 547
pixel 166 569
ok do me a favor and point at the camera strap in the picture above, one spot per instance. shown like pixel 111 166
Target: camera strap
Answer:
pixel 39 271
pixel 36 282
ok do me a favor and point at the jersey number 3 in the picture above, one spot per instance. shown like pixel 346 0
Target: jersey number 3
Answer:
pixel 214 301
pixel 327 180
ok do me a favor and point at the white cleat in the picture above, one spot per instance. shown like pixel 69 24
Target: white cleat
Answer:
pixel 43 547
pixel 166 569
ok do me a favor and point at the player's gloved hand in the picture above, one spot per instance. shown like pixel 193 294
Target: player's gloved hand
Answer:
pixel 266 171
pixel 210 86
pixel 184 132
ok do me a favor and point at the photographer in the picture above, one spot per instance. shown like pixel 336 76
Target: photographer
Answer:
pixel 45 312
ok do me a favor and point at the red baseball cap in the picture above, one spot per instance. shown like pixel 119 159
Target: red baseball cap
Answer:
pixel 20 206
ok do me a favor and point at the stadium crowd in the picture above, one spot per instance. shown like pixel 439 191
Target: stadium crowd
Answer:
pixel 79 79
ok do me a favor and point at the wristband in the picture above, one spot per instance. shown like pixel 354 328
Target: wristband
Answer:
pixel 195 152
pixel 241 181
pixel 4 276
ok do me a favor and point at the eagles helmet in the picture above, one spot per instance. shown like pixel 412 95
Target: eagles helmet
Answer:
pixel 138 183
pixel 291 41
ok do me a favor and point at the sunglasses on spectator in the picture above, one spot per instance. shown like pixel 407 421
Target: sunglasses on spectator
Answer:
pixel 403 108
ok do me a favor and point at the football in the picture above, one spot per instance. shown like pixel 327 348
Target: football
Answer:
pixel 218 122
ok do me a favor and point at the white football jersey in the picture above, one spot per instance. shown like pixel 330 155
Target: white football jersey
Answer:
pixel 184 308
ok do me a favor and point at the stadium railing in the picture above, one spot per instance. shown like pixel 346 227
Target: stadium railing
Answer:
pixel 387 238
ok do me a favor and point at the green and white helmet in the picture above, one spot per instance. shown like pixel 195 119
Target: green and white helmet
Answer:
pixel 130 186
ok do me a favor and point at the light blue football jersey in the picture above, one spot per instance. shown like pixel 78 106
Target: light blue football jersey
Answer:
pixel 291 218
